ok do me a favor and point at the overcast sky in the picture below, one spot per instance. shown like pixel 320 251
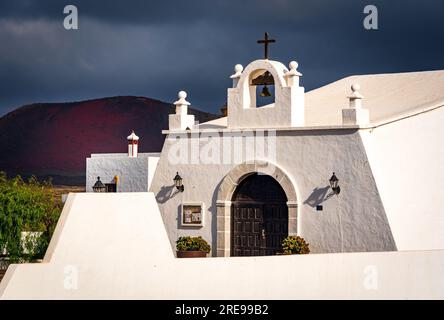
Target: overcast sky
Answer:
pixel 155 48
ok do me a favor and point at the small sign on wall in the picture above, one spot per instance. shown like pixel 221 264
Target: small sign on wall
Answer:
pixel 192 215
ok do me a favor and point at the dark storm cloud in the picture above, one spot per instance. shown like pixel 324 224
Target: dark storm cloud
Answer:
pixel 155 48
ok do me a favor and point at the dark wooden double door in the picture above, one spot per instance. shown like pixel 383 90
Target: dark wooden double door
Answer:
pixel 259 217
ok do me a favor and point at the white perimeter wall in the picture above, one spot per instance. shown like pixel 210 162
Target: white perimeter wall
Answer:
pixel 407 160
pixel 115 246
pixel 135 174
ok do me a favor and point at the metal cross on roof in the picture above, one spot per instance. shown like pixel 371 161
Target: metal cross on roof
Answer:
pixel 266 41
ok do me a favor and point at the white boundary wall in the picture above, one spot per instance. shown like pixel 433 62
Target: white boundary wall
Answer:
pixel 407 161
pixel 115 246
pixel 135 173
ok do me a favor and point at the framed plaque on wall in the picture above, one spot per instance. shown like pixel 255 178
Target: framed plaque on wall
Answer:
pixel 192 214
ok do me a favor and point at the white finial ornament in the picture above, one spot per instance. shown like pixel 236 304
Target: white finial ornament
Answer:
pixel 182 96
pixel 293 69
pixel 355 97
pixel 181 120
pixel 238 68
pixel 355 114
pixel 293 74
pixel 293 65
pixel 355 87
pixel 182 104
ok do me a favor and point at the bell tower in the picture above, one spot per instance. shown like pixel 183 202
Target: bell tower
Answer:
pixel 288 107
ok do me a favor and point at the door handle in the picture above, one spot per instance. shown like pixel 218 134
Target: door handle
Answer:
pixel 263 234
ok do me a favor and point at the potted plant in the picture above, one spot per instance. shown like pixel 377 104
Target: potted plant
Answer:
pixel 295 245
pixel 192 247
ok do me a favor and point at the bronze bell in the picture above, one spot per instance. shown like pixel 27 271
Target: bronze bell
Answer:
pixel 265 92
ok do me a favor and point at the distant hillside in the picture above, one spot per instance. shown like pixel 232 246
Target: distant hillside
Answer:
pixel 54 139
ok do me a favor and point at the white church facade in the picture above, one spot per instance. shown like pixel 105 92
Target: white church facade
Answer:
pixel 379 134
pixel 299 140
pixel 243 214
pixel 353 167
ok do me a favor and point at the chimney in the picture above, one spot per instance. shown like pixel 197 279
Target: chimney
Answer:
pixel 133 143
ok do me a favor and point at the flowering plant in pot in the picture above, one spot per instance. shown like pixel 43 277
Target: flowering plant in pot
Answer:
pixel 295 245
pixel 192 247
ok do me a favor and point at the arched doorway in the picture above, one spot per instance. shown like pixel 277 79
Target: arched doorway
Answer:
pixel 259 216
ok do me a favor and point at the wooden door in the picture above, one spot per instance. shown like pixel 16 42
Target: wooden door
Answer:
pixel 259 220
pixel 248 227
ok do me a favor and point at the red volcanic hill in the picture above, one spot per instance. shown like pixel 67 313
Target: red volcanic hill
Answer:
pixel 54 139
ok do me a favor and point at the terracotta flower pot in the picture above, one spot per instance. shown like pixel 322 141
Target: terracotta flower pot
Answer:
pixel 191 254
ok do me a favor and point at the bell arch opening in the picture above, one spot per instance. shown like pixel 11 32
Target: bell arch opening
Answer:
pixel 261 87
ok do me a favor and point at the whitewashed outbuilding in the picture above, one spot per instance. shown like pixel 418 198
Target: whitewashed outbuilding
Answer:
pixel 122 172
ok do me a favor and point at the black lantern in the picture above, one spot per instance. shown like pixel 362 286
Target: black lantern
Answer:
pixel 178 182
pixel 334 184
pixel 99 186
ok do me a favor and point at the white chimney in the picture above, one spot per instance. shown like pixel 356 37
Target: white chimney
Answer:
pixel 133 143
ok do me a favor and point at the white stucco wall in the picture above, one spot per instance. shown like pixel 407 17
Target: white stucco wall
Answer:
pixel 114 246
pixel 407 160
pixel 350 222
pixel 135 174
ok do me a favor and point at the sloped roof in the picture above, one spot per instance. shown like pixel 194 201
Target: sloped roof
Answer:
pixel 387 96
pixel 219 123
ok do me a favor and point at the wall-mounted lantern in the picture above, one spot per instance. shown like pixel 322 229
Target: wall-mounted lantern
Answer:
pixel 334 184
pixel 99 186
pixel 178 182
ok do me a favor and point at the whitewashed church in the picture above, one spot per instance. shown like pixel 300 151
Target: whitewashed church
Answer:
pixel 354 167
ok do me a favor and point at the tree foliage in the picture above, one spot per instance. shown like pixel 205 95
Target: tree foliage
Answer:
pixel 29 212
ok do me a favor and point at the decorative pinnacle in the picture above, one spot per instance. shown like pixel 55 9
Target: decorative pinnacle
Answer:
pixel 182 96
pixel 293 69
pixel 355 92
pixel 237 71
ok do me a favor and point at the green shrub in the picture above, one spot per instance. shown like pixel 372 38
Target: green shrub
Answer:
pixel 192 244
pixel 28 215
pixel 295 245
